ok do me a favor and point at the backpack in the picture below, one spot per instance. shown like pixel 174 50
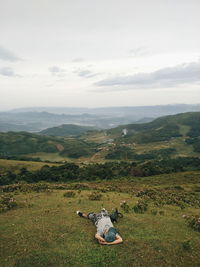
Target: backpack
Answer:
pixel 115 215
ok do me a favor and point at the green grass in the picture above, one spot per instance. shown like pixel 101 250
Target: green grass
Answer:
pixel 16 165
pixel 47 156
pixel 183 149
pixel 45 231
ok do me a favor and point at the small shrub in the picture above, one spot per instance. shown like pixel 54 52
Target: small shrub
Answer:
pixel 69 194
pixel 95 196
pixel 125 206
pixel 154 212
pixel 178 187
pixel 161 212
pixel 196 189
pixel 187 245
pixel 79 187
pixel 140 207
pixel 7 202
pixel 193 222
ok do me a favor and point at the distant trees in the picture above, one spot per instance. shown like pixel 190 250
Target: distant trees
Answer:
pixel 105 171
pixel 195 142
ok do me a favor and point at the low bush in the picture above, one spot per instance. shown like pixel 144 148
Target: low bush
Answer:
pixel 161 212
pixel 95 196
pixel 7 202
pixel 124 205
pixel 141 206
pixel 187 245
pixel 154 212
pixel 78 187
pixel 169 196
pixel 193 222
pixel 69 194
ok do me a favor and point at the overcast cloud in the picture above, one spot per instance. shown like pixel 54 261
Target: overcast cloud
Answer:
pixel 6 71
pixel 7 55
pixel 165 77
pixel 85 73
pixel 56 70
pixel 83 47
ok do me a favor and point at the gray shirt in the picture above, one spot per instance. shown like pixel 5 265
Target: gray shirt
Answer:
pixel 103 224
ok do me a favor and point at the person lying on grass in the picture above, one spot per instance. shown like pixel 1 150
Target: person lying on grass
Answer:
pixel 106 233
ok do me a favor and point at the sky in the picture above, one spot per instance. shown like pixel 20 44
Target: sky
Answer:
pixel 97 53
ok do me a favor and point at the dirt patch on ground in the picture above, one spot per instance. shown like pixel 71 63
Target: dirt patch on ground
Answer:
pixel 60 147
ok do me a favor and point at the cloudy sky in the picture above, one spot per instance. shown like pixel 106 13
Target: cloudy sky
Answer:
pixel 94 53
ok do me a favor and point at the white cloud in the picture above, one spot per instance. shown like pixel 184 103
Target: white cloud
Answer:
pixel 85 73
pixel 56 70
pixel 165 77
pixel 7 55
pixel 6 71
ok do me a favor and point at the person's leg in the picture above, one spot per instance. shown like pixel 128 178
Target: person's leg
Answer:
pixel 81 214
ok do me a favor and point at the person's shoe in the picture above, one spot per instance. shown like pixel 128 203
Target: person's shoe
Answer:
pixel 79 213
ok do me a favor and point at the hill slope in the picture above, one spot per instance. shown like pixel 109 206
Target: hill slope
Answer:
pixel 44 230
pixel 23 143
pixel 66 130
pixel 169 136
pixel 161 129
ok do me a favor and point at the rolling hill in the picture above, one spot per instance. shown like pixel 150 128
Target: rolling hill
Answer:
pixel 14 144
pixel 170 136
pixel 161 129
pixel 66 130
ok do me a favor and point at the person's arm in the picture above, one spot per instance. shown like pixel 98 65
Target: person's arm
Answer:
pixel 118 240
pixel 100 239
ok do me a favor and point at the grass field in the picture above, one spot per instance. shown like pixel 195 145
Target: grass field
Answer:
pixel 16 165
pixel 45 230
pixel 47 156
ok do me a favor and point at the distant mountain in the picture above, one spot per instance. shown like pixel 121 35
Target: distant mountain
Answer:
pixel 137 112
pixel 66 130
pixel 35 121
pixel 39 118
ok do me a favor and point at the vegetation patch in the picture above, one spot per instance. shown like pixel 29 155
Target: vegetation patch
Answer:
pixel 95 196
pixel 193 221
pixel 141 206
pixel 69 194
pixel 7 202
pixel 124 206
pixel 178 198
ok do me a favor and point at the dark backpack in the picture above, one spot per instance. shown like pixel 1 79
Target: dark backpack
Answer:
pixel 115 215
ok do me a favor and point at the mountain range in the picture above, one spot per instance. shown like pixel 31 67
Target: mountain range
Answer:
pixel 39 118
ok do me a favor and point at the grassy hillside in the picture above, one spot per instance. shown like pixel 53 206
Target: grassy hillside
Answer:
pixel 16 165
pixel 161 129
pixel 23 143
pixel 43 229
pixel 12 143
pixel 66 130
pixel 170 136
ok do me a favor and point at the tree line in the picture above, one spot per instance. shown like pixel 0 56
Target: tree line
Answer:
pixel 101 171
